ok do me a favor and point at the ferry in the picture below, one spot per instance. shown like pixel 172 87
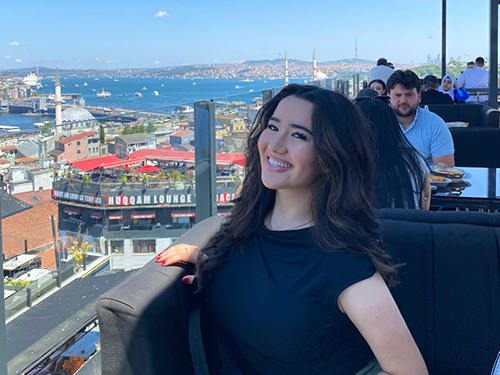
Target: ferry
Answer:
pixel 138 94
pixel 184 109
pixel 31 79
pixel 155 93
pixel 257 99
pixel 247 80
pixel 103 94
pixel 6 128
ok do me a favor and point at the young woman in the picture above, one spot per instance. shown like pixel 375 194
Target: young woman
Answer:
pixel 379 86
pixel 448 85
pixel 294 281
pixel 401 174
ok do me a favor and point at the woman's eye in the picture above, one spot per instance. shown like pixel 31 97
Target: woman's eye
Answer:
pixel 272 127
pixel 299 136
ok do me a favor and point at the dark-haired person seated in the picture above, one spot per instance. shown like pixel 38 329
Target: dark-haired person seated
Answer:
pixel 426 131
pixel 431 95
pixel 295 280
pixel 401 173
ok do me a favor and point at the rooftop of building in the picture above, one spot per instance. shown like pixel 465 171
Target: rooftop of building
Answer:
pixel 134 138
pixel 76 137
pixel 180 133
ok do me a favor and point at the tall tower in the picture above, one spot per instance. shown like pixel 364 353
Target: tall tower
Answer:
pixel 286 70
pixel 58 103
pixel 356 49
pixel 315 69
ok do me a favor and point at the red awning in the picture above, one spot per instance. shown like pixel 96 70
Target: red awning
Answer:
pixel 116 216
pixel 121 163
pixel 72 210
pixel 148 168
pixel 96 215
pixel 87 165
pixel 183 214
pixel 187 157
pixel 143 215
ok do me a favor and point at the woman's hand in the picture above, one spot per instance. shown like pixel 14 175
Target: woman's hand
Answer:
pixel 178 253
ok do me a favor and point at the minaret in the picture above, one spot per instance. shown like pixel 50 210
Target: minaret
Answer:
pixel 58 103
pixel 286 70
pixel 315 73
pixel 356 49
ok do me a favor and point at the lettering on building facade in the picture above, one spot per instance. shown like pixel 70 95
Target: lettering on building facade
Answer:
pixel 136 200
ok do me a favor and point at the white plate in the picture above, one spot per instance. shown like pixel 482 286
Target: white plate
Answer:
pixel 466 176
pixel 433 187
pixel 441 183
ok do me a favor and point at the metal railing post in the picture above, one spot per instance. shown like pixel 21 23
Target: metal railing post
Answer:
pixel 3 333
pixel 493 80
pixel 267 95
pixel 443 39
pixel 205 163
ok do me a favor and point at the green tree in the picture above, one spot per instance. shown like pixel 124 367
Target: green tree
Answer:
pixel 102 135
pixel 150 128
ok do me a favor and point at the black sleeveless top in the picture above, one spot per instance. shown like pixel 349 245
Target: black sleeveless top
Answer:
pixel 276 305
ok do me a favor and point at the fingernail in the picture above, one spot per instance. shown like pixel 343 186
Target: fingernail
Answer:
pixel 185 280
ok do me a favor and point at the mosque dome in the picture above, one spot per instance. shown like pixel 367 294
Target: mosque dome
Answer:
pixel 76 114
pixel 320 76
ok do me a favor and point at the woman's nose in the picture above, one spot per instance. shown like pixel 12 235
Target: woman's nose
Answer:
pixel 278 144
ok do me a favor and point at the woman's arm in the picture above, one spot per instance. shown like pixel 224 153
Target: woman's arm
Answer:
pixel 187 246
pixel 425 203
pixel 370 306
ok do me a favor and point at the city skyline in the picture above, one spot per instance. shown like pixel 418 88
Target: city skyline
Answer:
pixel 112 35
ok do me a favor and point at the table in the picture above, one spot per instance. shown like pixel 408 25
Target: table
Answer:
pixel 481 192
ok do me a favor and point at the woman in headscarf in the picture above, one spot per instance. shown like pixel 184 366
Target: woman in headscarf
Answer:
pixel 448 85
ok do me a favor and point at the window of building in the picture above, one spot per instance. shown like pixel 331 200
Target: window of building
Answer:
pixel 78 143
pixel 116 247
pixel 115 218
pixel 143 217
pixel 144 246
pixel 78 152
pixel 96 218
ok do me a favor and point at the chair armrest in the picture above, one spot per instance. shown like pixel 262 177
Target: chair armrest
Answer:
pixel 143 323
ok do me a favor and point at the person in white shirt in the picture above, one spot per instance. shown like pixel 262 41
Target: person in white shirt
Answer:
pixel 381 71
pixel 476 78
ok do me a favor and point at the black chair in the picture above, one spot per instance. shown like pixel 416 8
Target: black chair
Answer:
pixel 449 296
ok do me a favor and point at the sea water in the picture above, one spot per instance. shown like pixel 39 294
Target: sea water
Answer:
pixel 171 92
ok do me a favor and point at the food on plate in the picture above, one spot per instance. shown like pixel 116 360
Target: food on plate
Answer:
pixel 443 170
pixel 437 178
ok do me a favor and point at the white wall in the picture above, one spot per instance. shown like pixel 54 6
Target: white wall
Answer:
pixel 20 187
pixel 129 260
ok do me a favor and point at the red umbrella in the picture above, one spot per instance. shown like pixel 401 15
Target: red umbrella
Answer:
pixel 148 168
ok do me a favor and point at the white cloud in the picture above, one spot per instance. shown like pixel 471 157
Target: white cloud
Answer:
pixel 19 60
pixel 15 43
pixel 216 60
pixel 7 56
pixel 157 62
pixel 161 13
pixel 108 61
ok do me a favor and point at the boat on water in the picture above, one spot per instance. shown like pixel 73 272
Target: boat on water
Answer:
pixel 144 88
pixel 155 93
pixel 124 94
pixel 76 85
pixel 183 109
pixel 31 79
pixel 7 128
pixel 116 80
pixel 257 99
pixel 138 94
pixel 246 80
pixel 194 83
pixel 236 87
pixel 96 79
pixel 85 83
pixel 103 94
pixel 93 89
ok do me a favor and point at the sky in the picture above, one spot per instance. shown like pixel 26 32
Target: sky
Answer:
pixel 111 34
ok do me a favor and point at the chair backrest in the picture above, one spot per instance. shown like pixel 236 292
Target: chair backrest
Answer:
pixel 477 147
pixel 450 285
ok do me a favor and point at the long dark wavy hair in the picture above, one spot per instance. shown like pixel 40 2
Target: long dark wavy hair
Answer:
pixel 343 196
pixel 399 169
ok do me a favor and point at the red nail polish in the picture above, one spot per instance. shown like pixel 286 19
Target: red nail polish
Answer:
pixel 185 280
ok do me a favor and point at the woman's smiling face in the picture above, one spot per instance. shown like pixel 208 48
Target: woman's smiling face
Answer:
pixel 286 147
